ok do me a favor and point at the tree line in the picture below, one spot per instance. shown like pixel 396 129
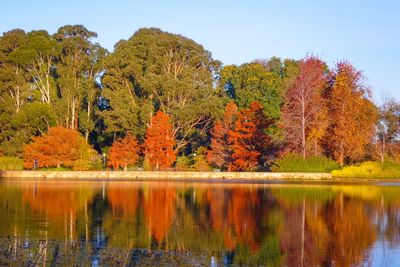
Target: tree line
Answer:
pixel 161 100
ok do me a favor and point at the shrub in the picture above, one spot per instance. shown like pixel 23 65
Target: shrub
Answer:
pixel 296 163
pixel 370 169
pixel 56 169
pixel 201 164
pixel 11 164
pixel 182 164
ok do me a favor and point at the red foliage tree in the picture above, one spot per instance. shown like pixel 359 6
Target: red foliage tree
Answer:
pixel 159 144
pixel 123 152
pixel 248 140
pixel 220 153
pixel 59 147
pixel 304 111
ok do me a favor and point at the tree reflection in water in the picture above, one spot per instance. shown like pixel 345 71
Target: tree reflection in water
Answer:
pixel 274 225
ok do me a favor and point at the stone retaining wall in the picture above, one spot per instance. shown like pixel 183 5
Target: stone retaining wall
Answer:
pixel 164 175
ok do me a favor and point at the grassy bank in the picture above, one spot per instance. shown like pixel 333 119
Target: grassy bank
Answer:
pixel 370 170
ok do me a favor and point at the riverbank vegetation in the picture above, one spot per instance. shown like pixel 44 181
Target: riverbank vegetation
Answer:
pixel 296 163
pixel 11 164
pixel 160 101
pixel 370 169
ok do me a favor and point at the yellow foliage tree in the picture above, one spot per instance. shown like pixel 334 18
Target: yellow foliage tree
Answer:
pixel 351 114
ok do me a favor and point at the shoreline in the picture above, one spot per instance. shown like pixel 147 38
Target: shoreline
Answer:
pixel 240 177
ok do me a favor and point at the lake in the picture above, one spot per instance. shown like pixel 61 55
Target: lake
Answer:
pixel 109 223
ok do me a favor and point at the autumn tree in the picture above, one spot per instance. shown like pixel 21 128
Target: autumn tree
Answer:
pixel 263 81
pixel 59 147
pixel 352 115
pixel 304 111
pixel 159 143
pixel 248 139
pixel 123 152
pixel 220 153
pixel 388 126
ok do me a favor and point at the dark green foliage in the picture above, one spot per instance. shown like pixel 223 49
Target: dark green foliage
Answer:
pixel 156 70
pixel 34 119
pixel 253 82
pixel 296 163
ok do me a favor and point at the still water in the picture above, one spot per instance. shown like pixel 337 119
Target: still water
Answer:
pixel 198 224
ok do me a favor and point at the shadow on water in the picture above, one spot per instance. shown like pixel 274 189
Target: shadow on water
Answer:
pixel 191 224
pixel 97 236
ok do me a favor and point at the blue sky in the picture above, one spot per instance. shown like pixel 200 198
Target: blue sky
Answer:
pixel 366 33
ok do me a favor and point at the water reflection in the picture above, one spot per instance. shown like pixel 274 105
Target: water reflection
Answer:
pixel 219 224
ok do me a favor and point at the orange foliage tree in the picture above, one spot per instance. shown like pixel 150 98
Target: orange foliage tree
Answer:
pixel 59 147
pixel 123 152
pixel 159 144
pixel 352 115
pixel 304 111
pixel 248 140
pixel 220 153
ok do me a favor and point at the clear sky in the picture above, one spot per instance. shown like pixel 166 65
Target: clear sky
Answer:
pixel 364 32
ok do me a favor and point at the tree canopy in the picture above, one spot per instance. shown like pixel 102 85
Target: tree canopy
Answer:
pixel 155 70
pixel 165 93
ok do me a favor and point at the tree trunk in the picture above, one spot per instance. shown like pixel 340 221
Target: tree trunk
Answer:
pixel 303 127
pixel 89 108
pixel 341 155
